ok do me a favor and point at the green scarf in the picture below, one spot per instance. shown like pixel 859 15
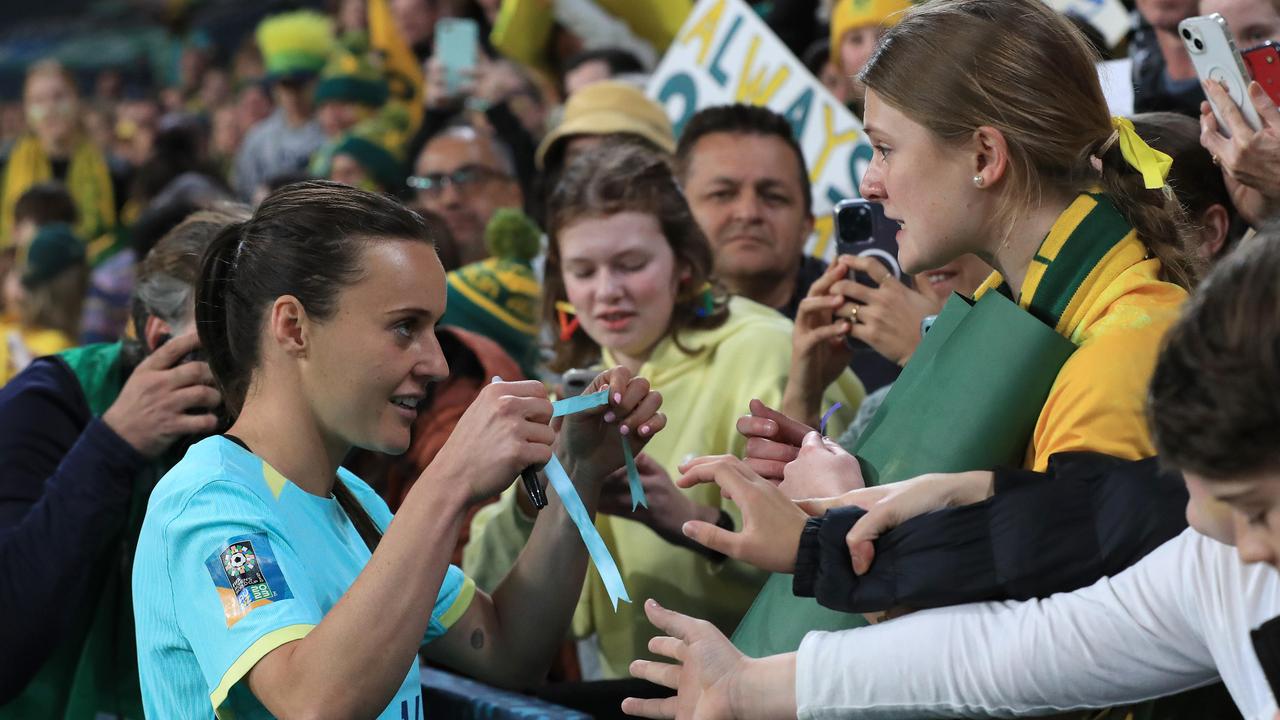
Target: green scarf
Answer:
pixel 93 673
pixel 972 392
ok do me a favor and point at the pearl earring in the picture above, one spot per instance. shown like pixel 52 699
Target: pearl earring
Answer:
pixel 979 181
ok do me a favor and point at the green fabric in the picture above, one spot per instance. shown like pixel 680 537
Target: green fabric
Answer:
pixel 351 89
pixel 54 248
pixel 991 364
pixel 382 166
pixel 94 670
pixel 968 399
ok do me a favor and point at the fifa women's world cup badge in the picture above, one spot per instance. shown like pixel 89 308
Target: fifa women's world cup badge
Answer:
pixel 245 574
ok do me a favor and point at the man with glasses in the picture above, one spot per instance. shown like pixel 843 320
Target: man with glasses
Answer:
pixel 463 176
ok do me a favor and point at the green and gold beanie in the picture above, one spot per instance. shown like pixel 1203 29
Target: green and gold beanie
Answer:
pixel 295 45
pixel 499 297
pixel 350 78
pixel 377 144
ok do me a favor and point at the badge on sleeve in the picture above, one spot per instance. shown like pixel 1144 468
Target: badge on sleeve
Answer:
pixel 246 576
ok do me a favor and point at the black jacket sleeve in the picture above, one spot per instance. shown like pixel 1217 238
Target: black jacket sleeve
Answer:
pixel 65 482
pixel 1089 516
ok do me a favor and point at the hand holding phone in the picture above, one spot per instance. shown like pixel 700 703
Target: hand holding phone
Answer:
pixel 1217 62
pixel 456 47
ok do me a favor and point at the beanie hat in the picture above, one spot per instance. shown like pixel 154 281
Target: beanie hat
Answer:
pixel 377 144
pixel 606 107
pixel 347 77
pixel 852 14
pixel 53 249
pixel 295 45
pixel 498 297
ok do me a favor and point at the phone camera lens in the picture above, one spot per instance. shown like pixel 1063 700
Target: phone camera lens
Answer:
pixel 1199 45
pixel 1186 33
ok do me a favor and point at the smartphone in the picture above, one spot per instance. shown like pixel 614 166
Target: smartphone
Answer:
pixel 575 381
pixel 1213 52
pixel 1263 63
pixel 456 44
pixel 862 229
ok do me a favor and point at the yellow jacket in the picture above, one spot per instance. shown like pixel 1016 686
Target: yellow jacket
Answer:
pixel 703 396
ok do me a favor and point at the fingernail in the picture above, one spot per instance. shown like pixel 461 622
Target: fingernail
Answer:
pixel 644 430
pixel 610 417
pixel 624 429
pixel 617 397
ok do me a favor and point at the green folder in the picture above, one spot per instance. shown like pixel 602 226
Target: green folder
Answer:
pixel 968 400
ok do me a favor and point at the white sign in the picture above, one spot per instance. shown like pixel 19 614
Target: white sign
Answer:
pixel 1109 16
pixel 726 54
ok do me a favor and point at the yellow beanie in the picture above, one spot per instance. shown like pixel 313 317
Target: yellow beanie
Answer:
pixel 849 15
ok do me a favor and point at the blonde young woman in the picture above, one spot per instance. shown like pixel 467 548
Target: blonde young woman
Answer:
pixel 57 148
pixel 1000 144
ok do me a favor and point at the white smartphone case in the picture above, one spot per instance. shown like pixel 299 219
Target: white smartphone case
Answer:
pixel 1208 40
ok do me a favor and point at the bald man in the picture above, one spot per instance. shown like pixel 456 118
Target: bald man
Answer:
pixel 465 176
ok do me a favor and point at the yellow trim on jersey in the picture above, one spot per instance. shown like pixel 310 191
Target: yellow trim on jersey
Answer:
pixel 275 481
pixel 250 657
pixel 460 604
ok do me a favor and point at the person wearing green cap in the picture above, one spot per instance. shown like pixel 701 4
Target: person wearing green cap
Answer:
pixel 46 292
pixel 349 90
pixel 295 47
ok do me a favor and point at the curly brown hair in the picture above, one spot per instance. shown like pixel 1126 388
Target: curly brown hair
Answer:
pixel 625 177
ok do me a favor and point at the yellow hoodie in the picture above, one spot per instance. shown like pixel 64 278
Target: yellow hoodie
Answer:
pixel 703 396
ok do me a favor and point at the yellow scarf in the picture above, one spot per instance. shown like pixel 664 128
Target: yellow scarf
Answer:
pixel 88 181
pixel 1087 248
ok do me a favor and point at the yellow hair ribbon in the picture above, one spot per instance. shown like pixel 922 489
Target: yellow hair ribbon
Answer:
pixel 566 307
pixel 1153 164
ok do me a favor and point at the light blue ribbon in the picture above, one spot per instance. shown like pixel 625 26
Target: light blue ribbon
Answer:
pixel 633 477
pixel 600 556
pixel 569 406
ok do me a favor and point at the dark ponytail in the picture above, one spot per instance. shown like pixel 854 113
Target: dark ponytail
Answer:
pixel 305 240
pixel 211 317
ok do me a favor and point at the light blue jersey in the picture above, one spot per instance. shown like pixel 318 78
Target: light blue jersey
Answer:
pixel 235 561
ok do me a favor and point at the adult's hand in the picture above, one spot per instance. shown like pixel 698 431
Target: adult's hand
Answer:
pixel 773 440
pixel 151 412
pixel 669 508
pixel 822 469
pixel 589 443
pixel 887 316
pixel 818 350
pixel 708 668
pixel 1249 158
pixel 771 523
pixel 888 506
pixel 506 429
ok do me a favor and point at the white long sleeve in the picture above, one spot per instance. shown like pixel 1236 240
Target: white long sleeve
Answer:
pixel 1174 621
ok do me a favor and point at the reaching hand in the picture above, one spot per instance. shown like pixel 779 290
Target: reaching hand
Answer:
pixel 822 469
pixel 669 508
pixel 888 506
pixel 818 350
pixel 773 440
pixel 708 667
pixel 156 405
pixel 771 523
